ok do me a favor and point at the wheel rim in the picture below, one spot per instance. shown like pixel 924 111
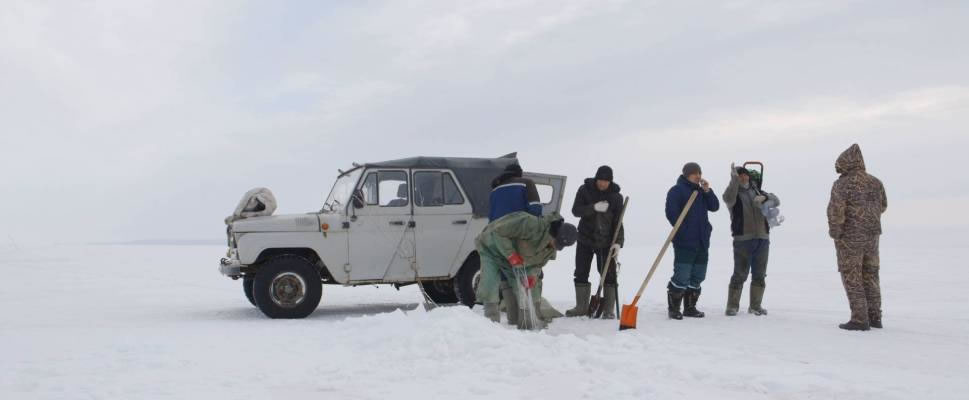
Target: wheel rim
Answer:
pixel 287 289
pixel 475 280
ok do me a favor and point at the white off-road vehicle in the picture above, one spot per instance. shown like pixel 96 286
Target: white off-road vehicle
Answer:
pixel 397 222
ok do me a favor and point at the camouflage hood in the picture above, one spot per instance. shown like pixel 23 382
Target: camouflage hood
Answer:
pixel 850 160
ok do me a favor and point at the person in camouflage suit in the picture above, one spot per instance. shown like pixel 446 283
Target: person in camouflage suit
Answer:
pixel 520 241
pixel 854 222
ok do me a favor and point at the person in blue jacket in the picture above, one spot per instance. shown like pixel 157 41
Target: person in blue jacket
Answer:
pixel 691 244
pixel 510 192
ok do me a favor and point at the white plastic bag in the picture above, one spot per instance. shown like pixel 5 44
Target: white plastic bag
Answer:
pixel 256 202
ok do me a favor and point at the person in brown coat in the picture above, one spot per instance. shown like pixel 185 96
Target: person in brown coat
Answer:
pixel 854 222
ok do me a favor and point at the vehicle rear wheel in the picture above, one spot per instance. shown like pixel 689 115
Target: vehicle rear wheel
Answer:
pixel 441 292
pixel 247 282
pixel 287 286
pixel 466 282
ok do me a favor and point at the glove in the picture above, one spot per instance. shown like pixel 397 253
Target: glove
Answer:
pixel 733 171
pixel 760 199
pixel 516 260
pixel 615 249
pixel 530 282
pixel 601 206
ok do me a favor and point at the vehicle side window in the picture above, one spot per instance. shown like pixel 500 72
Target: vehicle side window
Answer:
pixel 432 188
pixel 392 190
pixel 544 193
pixel 428 189
pixel 369 189
pixel 452 195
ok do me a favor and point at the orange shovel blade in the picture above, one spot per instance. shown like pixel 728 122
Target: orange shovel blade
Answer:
pixel 627 318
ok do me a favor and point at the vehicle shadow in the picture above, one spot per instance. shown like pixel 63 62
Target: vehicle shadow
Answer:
pixel 359 310
pixel 335 312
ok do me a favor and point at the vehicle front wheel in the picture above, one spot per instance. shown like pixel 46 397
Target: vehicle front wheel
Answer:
pixel 247 282
pixel 287 286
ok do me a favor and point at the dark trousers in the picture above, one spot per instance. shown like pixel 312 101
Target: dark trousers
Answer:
pixel 750 257
pixel 583 263
pixel 689 267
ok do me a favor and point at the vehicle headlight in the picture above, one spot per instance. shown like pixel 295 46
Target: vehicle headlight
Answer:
pixel 229 239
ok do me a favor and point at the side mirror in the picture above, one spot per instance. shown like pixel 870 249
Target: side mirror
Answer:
pixel 357 199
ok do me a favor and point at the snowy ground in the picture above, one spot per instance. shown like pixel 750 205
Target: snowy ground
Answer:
pixel 143 322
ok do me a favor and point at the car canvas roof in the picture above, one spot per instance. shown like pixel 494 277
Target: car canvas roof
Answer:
pixel 474 174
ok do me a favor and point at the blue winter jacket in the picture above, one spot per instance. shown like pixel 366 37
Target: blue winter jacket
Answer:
pixel 695 231
pixel 513 194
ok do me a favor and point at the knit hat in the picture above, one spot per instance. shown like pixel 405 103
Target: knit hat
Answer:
pixel 564 233
pixel 743 171
pixel 604 173
pixel 510 171
pixel 691 168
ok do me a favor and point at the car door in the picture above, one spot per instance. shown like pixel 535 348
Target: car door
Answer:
pixel 381 235
pixel 551 189
pixel 443 214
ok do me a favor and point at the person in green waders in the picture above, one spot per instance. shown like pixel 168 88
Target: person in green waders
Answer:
pixel 518 245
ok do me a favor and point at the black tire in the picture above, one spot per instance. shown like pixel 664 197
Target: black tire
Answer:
pixel 465 283
pixel 441 292
pixel 247 282
pixel 287 286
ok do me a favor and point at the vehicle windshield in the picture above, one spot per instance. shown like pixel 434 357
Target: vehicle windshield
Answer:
pixel 342 190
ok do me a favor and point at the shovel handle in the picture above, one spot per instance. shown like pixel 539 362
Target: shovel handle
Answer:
pixel 612 254
pixel 595 312
pixel 659 257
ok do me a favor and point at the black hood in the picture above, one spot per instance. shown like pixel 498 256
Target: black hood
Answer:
pixel 590 184
pixel 504 178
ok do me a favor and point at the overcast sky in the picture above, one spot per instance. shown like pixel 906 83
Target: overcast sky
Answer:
pixel 137 120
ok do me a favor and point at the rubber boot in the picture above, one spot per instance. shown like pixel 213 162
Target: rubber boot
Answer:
pixel 491 312
pixel 609 303
pixel 855 326
pixel 582 293
pixel 537 306
pixel 547 312
pixel 689 304
pixel 733 300
pixel 674 297
pixel 756 297
pixel 511 305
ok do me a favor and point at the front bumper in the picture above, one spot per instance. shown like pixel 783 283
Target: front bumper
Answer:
pixel 230 267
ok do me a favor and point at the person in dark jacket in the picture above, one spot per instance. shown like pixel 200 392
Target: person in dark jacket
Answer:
pixel 751 239
pixel 597 205
pixel 692 242
pixel 510 192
